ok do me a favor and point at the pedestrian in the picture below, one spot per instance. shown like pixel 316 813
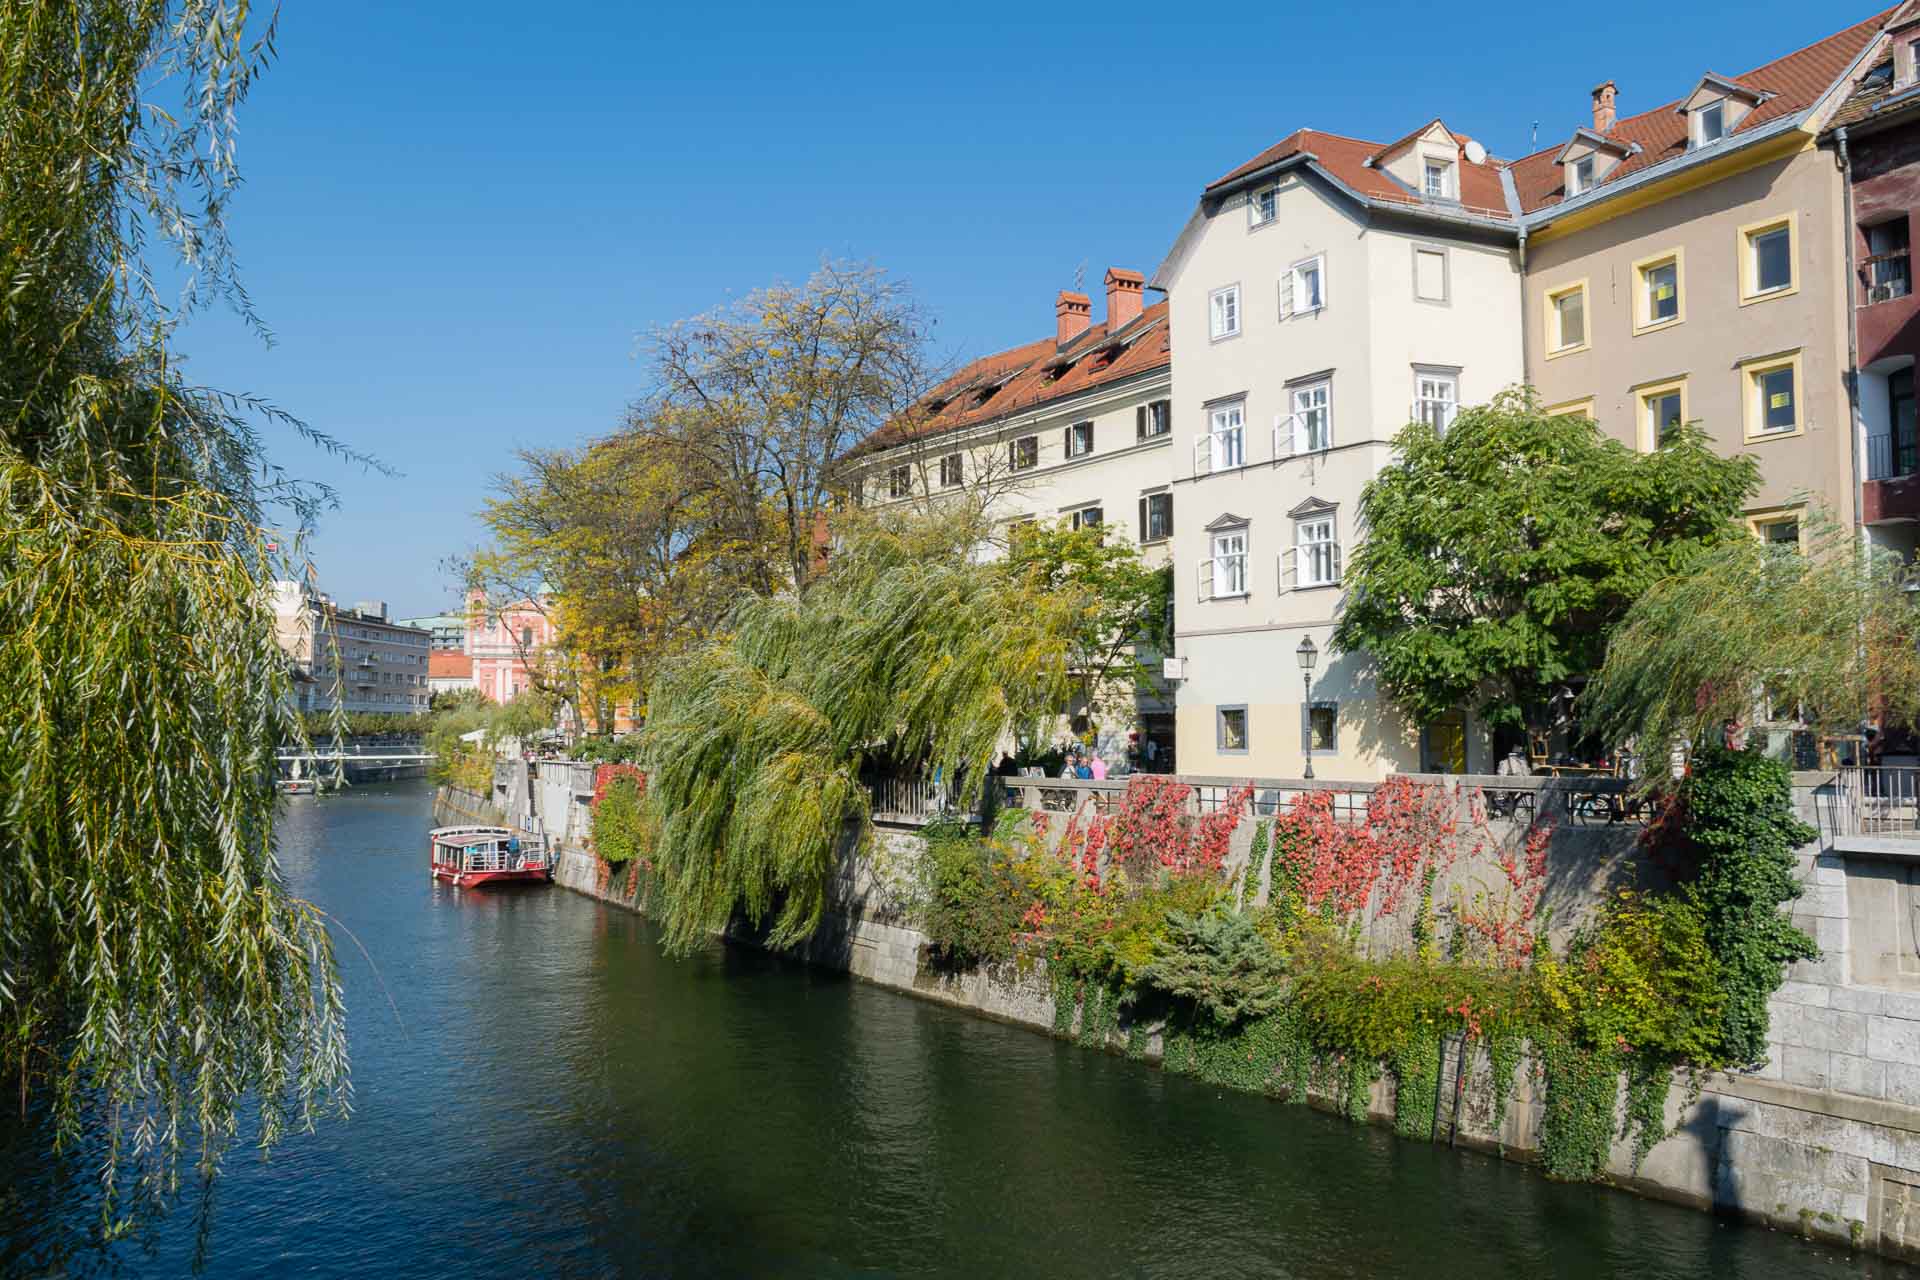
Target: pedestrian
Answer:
pixel 1097 769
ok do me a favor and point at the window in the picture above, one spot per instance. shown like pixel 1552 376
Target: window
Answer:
pixel 951 471
pixel 1439 180
pixel 1230 562
pixel 1313 417
pixel 1155 419
pixel 1886 271
pixel 1156 517
pixel 1436 399
pixel 1429 274
pixel 1230 729
pixel 1573 409
pixel 1901 457
pixel 1228 437
pixel 1772 394
pixel 1262 207
pixel 1079 439
pixel 1223 309
pixel 1777 528
pixel 1767 253
pixel 1656 290
pixel 1663 410
pixel 1567 320
pixel 1023 453
pixel 1303 290
pixel 1320 732
pixel 1317 554
pixel 1710 122
pixel 1580 178
pixel 899 481
pixel 526 637
pixel 1085 518
pixel 858 492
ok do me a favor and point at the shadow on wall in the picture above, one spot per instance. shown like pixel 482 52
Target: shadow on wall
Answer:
pixel 1368 720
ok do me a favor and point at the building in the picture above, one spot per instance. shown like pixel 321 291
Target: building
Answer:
pixel 1322 295
pixel 449 630
pixel 354 659
pixel 1685 264
pixel 1875 140
pixel 505 641
pixel 1073 427
pixel 448 672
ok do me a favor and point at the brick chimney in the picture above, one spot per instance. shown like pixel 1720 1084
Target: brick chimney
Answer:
pixel 1072 314
pixel 1604 114
pixel 1123 297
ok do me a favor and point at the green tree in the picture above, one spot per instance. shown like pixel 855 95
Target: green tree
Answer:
pixel 1829 635
pixel 1498 556
pixel 154 972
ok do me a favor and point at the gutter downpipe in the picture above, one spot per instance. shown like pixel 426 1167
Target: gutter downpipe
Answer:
pixel 1853 334
pixel 1523 307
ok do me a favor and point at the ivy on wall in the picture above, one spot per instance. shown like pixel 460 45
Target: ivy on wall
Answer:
pixel 620 833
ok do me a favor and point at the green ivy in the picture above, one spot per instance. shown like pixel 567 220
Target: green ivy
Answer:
pixel 1582 1088
pixel 1504 1048
pixel 618 834
pixel 1416 1075
pixel 1649 1081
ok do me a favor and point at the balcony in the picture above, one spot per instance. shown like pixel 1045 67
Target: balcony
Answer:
pixel 1885 277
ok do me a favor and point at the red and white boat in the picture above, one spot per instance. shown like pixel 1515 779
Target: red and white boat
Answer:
pixel 467 857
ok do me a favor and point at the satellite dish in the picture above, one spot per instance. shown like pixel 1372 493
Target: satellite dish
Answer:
pixel 1475 152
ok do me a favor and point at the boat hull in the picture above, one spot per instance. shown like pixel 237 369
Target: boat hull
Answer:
pixel 481 879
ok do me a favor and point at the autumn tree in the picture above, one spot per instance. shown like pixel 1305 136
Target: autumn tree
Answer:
pixel 1498 557
pixel 762 397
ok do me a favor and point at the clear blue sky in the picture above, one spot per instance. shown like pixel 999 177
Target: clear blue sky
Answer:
pixel 458 217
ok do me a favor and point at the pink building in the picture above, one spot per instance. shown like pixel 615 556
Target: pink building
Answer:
pixel 502 641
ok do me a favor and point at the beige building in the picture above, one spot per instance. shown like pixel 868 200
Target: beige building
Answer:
pixel 1322 296
pixel 1686 264
pixel 355 658
pixel 1074 428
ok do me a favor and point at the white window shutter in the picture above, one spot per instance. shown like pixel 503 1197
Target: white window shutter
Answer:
pixel 1326 287
pixel 1289 569
pixel 1287 304
pixel 1202 455
pixel 1300 442
pixel 1205 580
pixel 1336 562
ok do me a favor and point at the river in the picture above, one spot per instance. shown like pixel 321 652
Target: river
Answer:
pixel 541 1092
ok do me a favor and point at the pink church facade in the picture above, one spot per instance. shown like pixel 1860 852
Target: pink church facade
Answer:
pixel 501 640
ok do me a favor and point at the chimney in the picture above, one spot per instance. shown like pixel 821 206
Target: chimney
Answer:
pixel 1123 298
pixel 1072 314
pixel 1603 113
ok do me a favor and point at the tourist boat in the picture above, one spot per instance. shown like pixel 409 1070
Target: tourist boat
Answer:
pixel 470 856
pixel 299 787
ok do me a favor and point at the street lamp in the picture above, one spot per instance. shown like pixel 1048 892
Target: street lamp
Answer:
pixel 1308 653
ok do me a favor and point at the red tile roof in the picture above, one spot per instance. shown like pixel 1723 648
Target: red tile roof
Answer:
pixel 1027 377
pixel 1796 82
pixel 449 666
pixel 1347 160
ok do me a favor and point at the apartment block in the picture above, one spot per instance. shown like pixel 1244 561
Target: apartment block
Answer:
pixel 351 659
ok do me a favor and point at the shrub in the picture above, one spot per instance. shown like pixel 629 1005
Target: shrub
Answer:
pixel 974 900
pixel 619 819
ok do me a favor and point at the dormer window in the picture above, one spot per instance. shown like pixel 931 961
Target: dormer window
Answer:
pixel 1439 180
pixel 1710 123
pixel 1580 176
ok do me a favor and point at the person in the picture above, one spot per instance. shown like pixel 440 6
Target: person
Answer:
pixel 1081 769
pixel 1097 769
pixel 1506 803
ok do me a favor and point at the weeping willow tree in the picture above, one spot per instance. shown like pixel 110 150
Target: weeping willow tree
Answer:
pixel 1827 633
pixel 907 649
pixel 158 985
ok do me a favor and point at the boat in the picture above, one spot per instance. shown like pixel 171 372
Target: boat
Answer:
pixel 299 787
pixel 467 857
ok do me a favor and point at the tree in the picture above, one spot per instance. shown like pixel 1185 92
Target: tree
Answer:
pixel 907 649
pixel 1126 605
pixel 154 972
pixel 1828 635
pixel 1498 556
pixel 765 396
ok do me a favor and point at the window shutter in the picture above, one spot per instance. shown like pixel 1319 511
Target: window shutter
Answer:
pixel 1140 422
pixel 1286 295
pixel 1202 455
pixel 1336 561
pixel 1141 531
pixel 1301 444
pixel 1289 570
pixel 1205 580
pixel 1326 285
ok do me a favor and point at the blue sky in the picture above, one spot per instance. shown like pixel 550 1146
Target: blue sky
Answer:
pixel 459 217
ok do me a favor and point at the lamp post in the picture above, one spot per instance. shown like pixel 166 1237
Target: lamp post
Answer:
pixel 1308 653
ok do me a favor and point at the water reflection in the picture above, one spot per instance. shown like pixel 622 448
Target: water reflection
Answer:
pixel 541 1091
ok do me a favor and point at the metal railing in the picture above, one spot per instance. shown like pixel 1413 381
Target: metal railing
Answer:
pixel 1879 800
pixel 1886 461
pixel 531 856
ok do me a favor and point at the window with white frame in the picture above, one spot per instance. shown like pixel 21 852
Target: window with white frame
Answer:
pixel 1768 250
pixel 1085 518
pixel 899 481
pixel 1710 122
pixel 1313 417
pixel 1580 176
pixel 1567 319
pixel 1262 207
pixel 1079 439
pixel 1154 419
pixel 1316 552
pixel 1227 432
pixel 1436 398
pixel 1223 312
pixel 951 471
pixel 1439 180
pixel 1230 562
pixel 1303 290
pixel 1023 453
pixel 1156 517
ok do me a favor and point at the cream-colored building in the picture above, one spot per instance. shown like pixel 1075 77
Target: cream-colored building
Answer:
pixel 1074 428
pixel 1687 263
pixel 354 658
pixel 1322 296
